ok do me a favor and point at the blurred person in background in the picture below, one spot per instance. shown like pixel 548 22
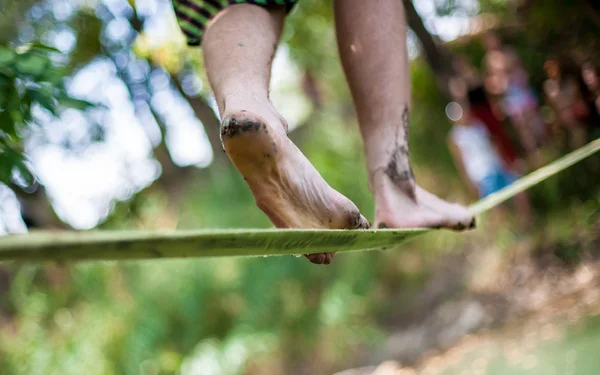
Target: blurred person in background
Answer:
pixel 466 88
pixel 238 44
pixel 507 81
pixel 479 163
pixel 589 76
pixel 566 94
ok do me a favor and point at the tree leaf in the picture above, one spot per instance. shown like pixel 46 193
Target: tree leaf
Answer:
pixel 23 171
pixel 54 76
pixel 7 55
pixel 26 108
pixel 32 64
pixel 17 116
pixel 43 98
pixel 5 81
pixel 13 99
pixel 43 47
pixel 79 104
pixel 7 71
pixel 13 160
pixel 7 124
pixel 5 167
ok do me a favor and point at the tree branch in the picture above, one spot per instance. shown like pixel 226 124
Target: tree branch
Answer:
pixel 36 210
pixel 437 56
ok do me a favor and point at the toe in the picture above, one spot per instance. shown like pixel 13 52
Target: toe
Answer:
pixel 382 225
pixel 320 258
pixel 313 258
pixel 363 223
pixel 467 221
pixel 353 220
pixel 473 224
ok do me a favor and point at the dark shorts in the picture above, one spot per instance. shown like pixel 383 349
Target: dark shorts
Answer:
pixel 194 15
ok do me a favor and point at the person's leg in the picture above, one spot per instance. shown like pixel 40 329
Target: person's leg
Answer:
pixel 238 48
pixel 372 44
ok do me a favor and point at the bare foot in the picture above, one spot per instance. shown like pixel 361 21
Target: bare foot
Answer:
pixel 285 185
pixel 410 206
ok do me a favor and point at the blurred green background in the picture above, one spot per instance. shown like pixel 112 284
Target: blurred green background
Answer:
pixel 106 121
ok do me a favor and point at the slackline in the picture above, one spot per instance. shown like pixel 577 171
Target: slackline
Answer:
pixel 123 245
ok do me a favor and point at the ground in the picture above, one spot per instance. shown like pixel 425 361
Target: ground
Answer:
pixel 534 310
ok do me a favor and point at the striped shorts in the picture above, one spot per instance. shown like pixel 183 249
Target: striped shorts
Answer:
pixel 194 15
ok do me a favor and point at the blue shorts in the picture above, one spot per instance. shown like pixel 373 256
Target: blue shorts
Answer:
pixel 501 178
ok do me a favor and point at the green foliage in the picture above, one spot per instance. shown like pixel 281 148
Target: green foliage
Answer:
pixel 12 14
pixel 498 7
pixel 28 79
pixel 565 29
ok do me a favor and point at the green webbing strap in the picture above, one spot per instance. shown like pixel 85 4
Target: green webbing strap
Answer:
pixel 115 245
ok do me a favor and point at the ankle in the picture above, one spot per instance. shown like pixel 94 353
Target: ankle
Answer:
pixel 381 184
pixel 244 92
